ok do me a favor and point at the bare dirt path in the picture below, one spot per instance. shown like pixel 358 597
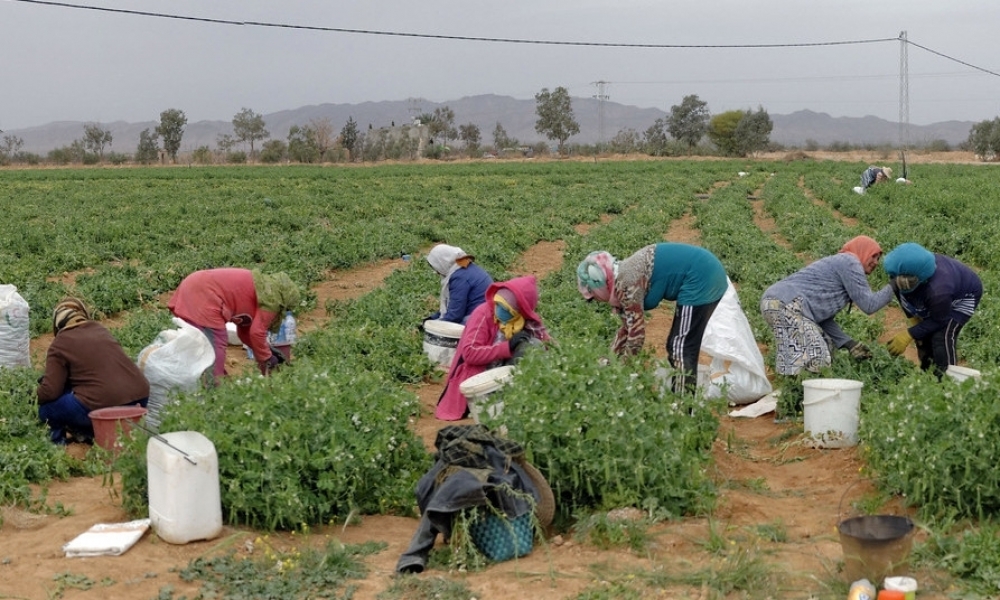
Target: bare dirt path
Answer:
pixel 778 500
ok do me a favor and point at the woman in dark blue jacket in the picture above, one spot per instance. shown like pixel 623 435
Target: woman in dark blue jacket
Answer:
pixel 463 283
pixel 939 295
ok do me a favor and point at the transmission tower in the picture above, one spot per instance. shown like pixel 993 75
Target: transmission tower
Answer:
pixel 601 97
pixel 904 92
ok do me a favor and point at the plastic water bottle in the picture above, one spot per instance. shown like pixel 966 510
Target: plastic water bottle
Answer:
pixel 289 328
pixel 861 589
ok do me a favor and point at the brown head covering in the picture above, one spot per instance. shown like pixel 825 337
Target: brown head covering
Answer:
pixel 69 313
pixel 864 247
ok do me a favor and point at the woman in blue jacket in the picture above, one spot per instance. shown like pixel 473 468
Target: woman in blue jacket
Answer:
pixel 463 283
pixel 939 294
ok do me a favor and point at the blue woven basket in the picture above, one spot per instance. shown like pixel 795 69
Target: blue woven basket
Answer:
pixel 499 538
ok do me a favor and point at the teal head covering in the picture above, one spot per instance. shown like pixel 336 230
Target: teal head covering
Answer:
pixel 910 259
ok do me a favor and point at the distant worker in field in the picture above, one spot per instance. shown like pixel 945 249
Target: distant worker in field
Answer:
pixel 463 283
pixel 497 333
pixel 939 295
pixel 85 369
pixel 800 309
pixel 873 175
pixel 255 302
pixel 690 275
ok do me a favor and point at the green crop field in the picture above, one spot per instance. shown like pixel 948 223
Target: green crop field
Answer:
pixel 119 238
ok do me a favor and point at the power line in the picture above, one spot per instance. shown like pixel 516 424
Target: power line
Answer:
pixel 498 40
pixel 447 37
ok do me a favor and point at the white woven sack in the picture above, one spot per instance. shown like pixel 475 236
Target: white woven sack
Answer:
pixel 15 348
pixel 174 363
pixel 737 364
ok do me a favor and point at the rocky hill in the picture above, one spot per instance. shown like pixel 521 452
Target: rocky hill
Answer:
pixel 516 116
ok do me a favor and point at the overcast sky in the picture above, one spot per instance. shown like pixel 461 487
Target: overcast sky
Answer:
pixel 62 63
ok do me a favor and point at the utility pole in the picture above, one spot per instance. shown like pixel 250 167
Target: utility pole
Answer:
pixel 601 97
pixel 904 92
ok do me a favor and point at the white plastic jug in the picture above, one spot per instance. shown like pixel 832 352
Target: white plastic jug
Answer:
pixel 184 500
pixel 831 410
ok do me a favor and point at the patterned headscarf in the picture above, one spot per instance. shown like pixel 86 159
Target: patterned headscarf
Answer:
pixel 862 246
pixel 69 313
pixel 276 293
pixel 595 276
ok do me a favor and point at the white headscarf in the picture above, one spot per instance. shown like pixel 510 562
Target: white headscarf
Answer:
pixel 442 259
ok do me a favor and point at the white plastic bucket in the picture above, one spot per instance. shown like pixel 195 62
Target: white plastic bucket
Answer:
pixel 478 388
pixel 441 339
pixel 831 410
pixel 184 500
pixel 962 373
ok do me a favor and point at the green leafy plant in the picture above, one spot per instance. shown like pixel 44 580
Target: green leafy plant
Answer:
pixel 609 436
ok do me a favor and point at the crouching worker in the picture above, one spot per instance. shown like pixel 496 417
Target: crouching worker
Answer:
pixel 496 334
pixel 939 295
pixel 801 308
pixel 85 369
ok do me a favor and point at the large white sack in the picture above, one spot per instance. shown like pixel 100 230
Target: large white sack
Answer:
pixel 15 348
pixel 736 360
pixel 173 363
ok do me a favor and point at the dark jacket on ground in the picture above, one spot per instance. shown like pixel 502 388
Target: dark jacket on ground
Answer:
pixel 473 468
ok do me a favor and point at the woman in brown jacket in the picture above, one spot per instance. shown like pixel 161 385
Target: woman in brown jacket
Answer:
pixel 85 369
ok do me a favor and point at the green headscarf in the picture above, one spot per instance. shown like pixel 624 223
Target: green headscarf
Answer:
pixel 276 293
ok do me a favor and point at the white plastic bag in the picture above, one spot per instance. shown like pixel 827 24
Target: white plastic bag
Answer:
pixel 174 362
pixel 15 348
pixel 737 362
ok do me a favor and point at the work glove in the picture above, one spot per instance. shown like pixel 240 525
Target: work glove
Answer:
pixel 858 351
pixel 282 359
pixel 904 283
pixel 521 337
pixel 266 366
pixel 899 342
pixel 913 321
pixel 277 359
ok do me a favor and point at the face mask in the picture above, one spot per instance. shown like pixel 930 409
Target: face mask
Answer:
pixel 502 314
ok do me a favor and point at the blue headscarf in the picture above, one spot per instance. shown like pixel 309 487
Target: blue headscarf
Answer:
pixel 910 259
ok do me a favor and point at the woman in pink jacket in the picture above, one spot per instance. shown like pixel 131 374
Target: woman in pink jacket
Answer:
pixel 496 334
pixel 252 300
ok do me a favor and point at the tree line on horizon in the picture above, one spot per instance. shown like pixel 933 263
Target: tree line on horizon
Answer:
pixel 683 132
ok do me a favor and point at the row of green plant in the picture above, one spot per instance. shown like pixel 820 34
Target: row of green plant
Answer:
pixel 359 364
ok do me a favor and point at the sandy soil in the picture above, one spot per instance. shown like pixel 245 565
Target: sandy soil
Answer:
pixel 767 477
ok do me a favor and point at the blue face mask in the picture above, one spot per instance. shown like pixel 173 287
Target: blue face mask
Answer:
pixel 502 314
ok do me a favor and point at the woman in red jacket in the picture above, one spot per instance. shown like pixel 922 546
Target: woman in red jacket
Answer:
pixel 252 300
pixel 496 333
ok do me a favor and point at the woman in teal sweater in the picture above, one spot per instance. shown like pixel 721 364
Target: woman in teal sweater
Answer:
pixel 689 275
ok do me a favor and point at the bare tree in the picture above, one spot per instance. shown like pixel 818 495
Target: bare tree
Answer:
pixel 325 135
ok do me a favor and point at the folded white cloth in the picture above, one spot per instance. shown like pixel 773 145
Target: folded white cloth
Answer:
pixel 761 407
pixel 107 539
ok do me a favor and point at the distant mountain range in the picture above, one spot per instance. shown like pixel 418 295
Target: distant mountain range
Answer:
pixel 516 116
